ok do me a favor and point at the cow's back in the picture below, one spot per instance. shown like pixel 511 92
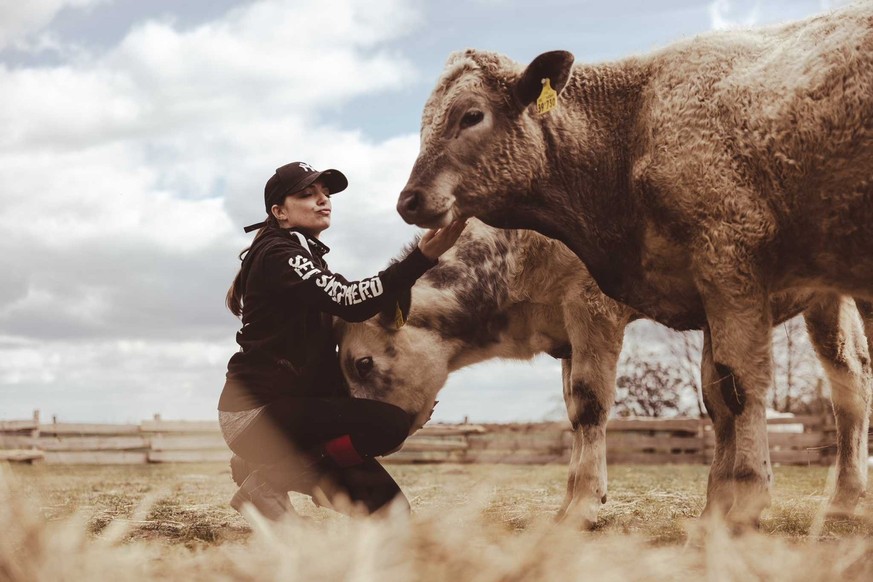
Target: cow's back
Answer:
pixel 789 100
pixel 773 128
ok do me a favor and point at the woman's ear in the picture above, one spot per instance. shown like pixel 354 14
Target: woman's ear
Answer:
pixel 278 212
pixel 395 313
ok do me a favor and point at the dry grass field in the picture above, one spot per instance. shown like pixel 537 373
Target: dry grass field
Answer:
pixel 470 522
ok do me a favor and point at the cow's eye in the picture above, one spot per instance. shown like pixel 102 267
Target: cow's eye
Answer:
pixel 471 118
pixel 364 366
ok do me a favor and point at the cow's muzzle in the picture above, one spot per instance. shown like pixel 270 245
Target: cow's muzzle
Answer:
pixel 414 207
pixel 410 206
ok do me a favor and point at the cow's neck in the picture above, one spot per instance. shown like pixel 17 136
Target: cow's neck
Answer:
pixel 462 298
pixel 466 300
pixel 585 199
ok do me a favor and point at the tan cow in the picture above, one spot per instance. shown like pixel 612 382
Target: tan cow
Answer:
pixel 694 183
pixel 517 294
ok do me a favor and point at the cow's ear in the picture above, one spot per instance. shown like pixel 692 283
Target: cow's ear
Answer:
pixel 395 313
pixel 553 65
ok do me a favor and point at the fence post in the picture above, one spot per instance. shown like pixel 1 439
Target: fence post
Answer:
pixel 34 434
pixel 156 439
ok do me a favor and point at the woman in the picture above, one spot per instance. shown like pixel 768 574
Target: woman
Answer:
pixel 284 410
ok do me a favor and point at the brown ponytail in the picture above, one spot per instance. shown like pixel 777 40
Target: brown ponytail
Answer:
pixel 235 295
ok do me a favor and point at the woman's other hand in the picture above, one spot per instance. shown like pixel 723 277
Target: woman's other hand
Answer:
pixel 437 241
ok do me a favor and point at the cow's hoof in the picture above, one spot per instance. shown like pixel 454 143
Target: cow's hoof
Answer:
pixel 580 523
pixel 740 524
pixel 839 511
pixel 576 517
pixel 843 503
pixel 714 512
pixel 740 528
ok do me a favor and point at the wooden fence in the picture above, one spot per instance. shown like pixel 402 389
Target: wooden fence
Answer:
pixel 798 440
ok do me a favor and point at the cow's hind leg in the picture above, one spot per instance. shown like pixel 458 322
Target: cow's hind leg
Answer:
pixel 837 334
pixel 589 393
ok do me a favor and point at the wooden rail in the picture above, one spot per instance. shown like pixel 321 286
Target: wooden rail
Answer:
pixel 797 440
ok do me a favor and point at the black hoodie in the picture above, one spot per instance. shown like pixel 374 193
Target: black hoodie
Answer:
pixel 286 342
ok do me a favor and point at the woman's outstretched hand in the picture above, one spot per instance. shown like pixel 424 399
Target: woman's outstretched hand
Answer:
pixel 437 241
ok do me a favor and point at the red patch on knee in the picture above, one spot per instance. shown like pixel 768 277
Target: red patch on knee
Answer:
pixel 342 451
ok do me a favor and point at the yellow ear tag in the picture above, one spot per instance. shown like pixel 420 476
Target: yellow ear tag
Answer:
pixel 548 99
pixel 399 320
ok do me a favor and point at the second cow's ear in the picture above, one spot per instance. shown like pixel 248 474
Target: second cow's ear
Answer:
pixel 395 313
pixel 554 65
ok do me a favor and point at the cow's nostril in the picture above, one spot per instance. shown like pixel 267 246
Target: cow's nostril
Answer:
pixel 409 201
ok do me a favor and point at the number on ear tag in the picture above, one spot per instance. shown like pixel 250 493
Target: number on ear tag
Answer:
pixel 548 99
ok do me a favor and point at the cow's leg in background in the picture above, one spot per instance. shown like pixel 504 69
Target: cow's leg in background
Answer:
pixel 865 308
pixel 837 334
pixel 740 325
pixel 589 393
pixel 719 488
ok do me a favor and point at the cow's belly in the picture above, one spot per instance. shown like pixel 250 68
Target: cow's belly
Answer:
pixel 828 242
pixel 663 289
pixel 666 298
pixel 675 302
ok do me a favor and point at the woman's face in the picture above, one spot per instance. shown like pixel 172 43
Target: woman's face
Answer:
pixel 308 209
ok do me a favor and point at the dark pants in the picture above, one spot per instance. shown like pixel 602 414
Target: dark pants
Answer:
pixel 291 436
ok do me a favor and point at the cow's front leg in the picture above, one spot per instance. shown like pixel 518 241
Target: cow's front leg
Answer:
pixel 837 334
pixel 575 448
pixel 740 327
pixel 589 393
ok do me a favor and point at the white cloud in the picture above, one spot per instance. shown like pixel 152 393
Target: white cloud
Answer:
pixel 158 139
pixel 257 64
pixel 831 4
pixel 733 14
pixel 113 381
pixel 126 176
pixel 20 19
pixel 727 14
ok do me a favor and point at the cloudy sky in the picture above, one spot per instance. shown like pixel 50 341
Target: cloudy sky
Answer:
pixel 137 137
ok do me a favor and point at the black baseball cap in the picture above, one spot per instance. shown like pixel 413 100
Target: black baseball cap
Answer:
pixel 294 177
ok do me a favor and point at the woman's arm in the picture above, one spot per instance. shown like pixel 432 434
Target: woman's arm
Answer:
pixel 302 279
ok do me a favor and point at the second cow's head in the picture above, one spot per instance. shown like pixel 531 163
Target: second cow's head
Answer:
pixel 404 365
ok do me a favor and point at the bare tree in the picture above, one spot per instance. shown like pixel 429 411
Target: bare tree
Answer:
pixel 647 387
pixel 655 384
pixel 686 351
pixel 797 374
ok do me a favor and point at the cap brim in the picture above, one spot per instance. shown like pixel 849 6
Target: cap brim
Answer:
pixel 335 180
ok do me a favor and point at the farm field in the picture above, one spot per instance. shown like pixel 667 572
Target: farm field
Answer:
pixel 470 522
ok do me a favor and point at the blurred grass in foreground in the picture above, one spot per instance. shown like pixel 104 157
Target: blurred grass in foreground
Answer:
pixel 472 522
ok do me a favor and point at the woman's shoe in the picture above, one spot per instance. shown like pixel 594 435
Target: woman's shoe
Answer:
pixel 239 469
pixel 272 504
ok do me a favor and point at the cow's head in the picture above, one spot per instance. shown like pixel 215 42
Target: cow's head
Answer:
pixel 405 366
pixel 481 136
